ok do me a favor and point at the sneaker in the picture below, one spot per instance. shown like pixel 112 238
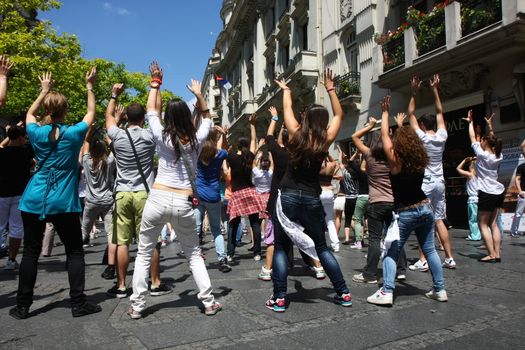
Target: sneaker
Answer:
pixel 381 298
pixel 19 312
pixel 160 290
pixel 213 309
pixel 319 272
pixel 163 243
pixel 229 259
pixel 265 274
pixel 257 258
pixel 401 277
pixel 85 309
pixel 449 263
pixel 11 265
pixel 419 266
pixel 109 273
pixel 356 245
pixel 344 299
pixel 336 248
pixel 223 266
pixel 135 315
pixel 277 305
pixel 439 296
pixel 86 243
pixel 115 291
pixel 362 279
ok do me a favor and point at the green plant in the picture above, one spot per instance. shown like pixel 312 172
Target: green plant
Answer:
pixel 475 18
pixel 429 27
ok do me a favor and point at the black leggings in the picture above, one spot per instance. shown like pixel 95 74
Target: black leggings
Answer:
pixel 67 226
pixel 349 211
pixel 255 224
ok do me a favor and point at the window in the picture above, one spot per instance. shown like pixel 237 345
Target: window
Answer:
pixel 285 55
pixel 509 113
pixel 217 101
pixel 352 52
pixel 304 33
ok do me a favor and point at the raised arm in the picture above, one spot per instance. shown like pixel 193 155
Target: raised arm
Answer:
pixel 388 146
pixel 91 76
pixel 356 137
pixel 110 110
pixel 87 141
pixel 471 131
pixel 415 84
pixel 280 141
pixel 253 133
pixel 289 118
pixel 154 93
pixel 120 115
pixel 273 121
pixel 202 105
pixel 434 85
pixel 5 66
pixel 337 119
pixel 461 168
pixel 341 156
pixel 45 84
pixel 490 126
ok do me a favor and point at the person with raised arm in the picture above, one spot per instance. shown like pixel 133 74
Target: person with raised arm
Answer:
pixel 51 194
pixel 298 209
pixel 408 160
pixel 491 193
pixel 472 192
pixel 173 196
pixel 434 182
pixel 5 66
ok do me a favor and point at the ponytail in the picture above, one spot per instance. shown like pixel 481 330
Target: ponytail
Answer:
pixel 243 145
pixel 495 144
pixel 498 147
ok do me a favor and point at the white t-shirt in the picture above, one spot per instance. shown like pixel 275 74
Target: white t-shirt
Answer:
pixel 262 180
pixel 472 189
pixel 172 172
pixel 435 146
pixel 487 165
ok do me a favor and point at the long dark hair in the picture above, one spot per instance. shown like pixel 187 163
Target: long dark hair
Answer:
pixel 209 148
pixel 309 141
pixel 376 146
pixel 99 155
pixel 243 145
pixel 177 123
pixel 495 143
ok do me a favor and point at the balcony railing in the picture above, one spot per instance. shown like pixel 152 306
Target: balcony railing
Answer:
pixel 478 14
pixel 430 33
pixel 348 85
pixel 393 53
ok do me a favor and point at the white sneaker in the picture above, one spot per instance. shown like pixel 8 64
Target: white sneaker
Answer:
pixel 265 274
pixel 356 245
pixel 449 263
pixel 229 259
pixel 11 265
pixel 336 248
pixel 419 266
pixel 360 278
pixel 319 272
pixel 257 258
pixel 401 277
pixel 381 298
pixel 439 296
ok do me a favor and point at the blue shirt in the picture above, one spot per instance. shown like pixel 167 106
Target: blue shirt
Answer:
pixel 54 188
pixel 207 181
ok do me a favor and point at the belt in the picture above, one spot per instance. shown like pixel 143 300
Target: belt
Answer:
pixel 299 192
pixel 415 205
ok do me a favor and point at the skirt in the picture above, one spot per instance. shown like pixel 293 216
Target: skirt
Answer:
pixel 339 203
pixel 246 202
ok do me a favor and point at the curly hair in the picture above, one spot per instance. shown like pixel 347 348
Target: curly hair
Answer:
pixel 410 151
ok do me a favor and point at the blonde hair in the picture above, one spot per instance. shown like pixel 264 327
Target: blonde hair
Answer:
pixel 55 105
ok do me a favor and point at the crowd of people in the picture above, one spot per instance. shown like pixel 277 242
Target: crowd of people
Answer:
pixel 289 188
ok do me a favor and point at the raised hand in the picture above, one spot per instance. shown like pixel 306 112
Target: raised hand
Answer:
pixel 91 76
pixel 5 65
pixel 46 82
pixel 117 89
pixel 273 111
pixel 385 103
pixel 119 112
pixel 219 129
pixel 252 119
pixel 490 119
pixel 156 74
pixel 372 122
pixel 434 82
pixel 282 84
pixel 415 83
pixel 328 79
pixel 400 119
pixel 195 87
pixel 470 117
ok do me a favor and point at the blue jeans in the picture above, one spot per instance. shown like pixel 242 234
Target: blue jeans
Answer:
pixel 214 218
pixel 420 220
pixel 306 209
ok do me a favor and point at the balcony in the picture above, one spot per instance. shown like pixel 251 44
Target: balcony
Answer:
pixel 348 86
pixel 454 35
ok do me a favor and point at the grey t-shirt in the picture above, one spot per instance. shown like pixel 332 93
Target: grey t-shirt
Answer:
pixel 99 181
pixel 379 187
pixel 128 175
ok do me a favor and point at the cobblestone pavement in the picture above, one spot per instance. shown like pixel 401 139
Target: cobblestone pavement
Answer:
pixel 485 310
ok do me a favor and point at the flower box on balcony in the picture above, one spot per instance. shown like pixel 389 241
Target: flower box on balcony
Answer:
pixel 478 14
pixel 429 27
pixel 393 47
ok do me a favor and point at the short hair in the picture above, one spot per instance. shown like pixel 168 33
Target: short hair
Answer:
pixel 15 132
pixel 429 121
pixel 55 105
pixel 135 113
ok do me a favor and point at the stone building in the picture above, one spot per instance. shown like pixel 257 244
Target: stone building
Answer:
pixel 375 47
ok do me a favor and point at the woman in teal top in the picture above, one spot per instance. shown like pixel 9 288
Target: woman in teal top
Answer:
pixel 52 194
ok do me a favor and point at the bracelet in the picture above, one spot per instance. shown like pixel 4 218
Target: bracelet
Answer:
pixel 89 89
pixel 113 96
pixel 156 80
pixel 205 110
pixel 275 117
pixel 414 94
pixel 331 89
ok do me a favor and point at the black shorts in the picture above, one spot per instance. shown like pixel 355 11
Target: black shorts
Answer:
pixel 489 202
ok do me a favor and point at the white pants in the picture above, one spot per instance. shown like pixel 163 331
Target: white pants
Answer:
pixel 162 207
pixel 327 198
pixel 10 215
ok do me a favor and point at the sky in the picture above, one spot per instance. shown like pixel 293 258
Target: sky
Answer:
pixel 179 34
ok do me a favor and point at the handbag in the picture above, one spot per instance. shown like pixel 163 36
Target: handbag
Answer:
pixel 392 235
pixel 191 174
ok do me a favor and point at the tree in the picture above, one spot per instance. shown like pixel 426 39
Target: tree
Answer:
pixel 35 46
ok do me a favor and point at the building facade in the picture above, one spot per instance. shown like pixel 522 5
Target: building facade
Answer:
pixel 375 47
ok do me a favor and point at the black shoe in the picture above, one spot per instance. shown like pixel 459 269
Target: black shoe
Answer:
pixel 19 312
pixel 85 309
pixel 109 273
pixel 116 292
pixel 223 266
pixel 160 290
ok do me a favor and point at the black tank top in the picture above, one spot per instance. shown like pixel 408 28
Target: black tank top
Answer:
pixel 304 178
pixel 407 189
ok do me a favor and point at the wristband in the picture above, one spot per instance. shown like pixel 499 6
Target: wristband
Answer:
pixel 156 80
pixel 275 117
pixel 113 96
pixel 331 89
pixel 414 94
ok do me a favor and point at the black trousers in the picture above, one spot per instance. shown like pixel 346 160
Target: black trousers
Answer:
pixel 68 229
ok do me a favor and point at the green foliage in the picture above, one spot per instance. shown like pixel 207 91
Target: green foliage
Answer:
pixel 474 18
pixel 36 47
pixel 429 28
pixel 348 88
